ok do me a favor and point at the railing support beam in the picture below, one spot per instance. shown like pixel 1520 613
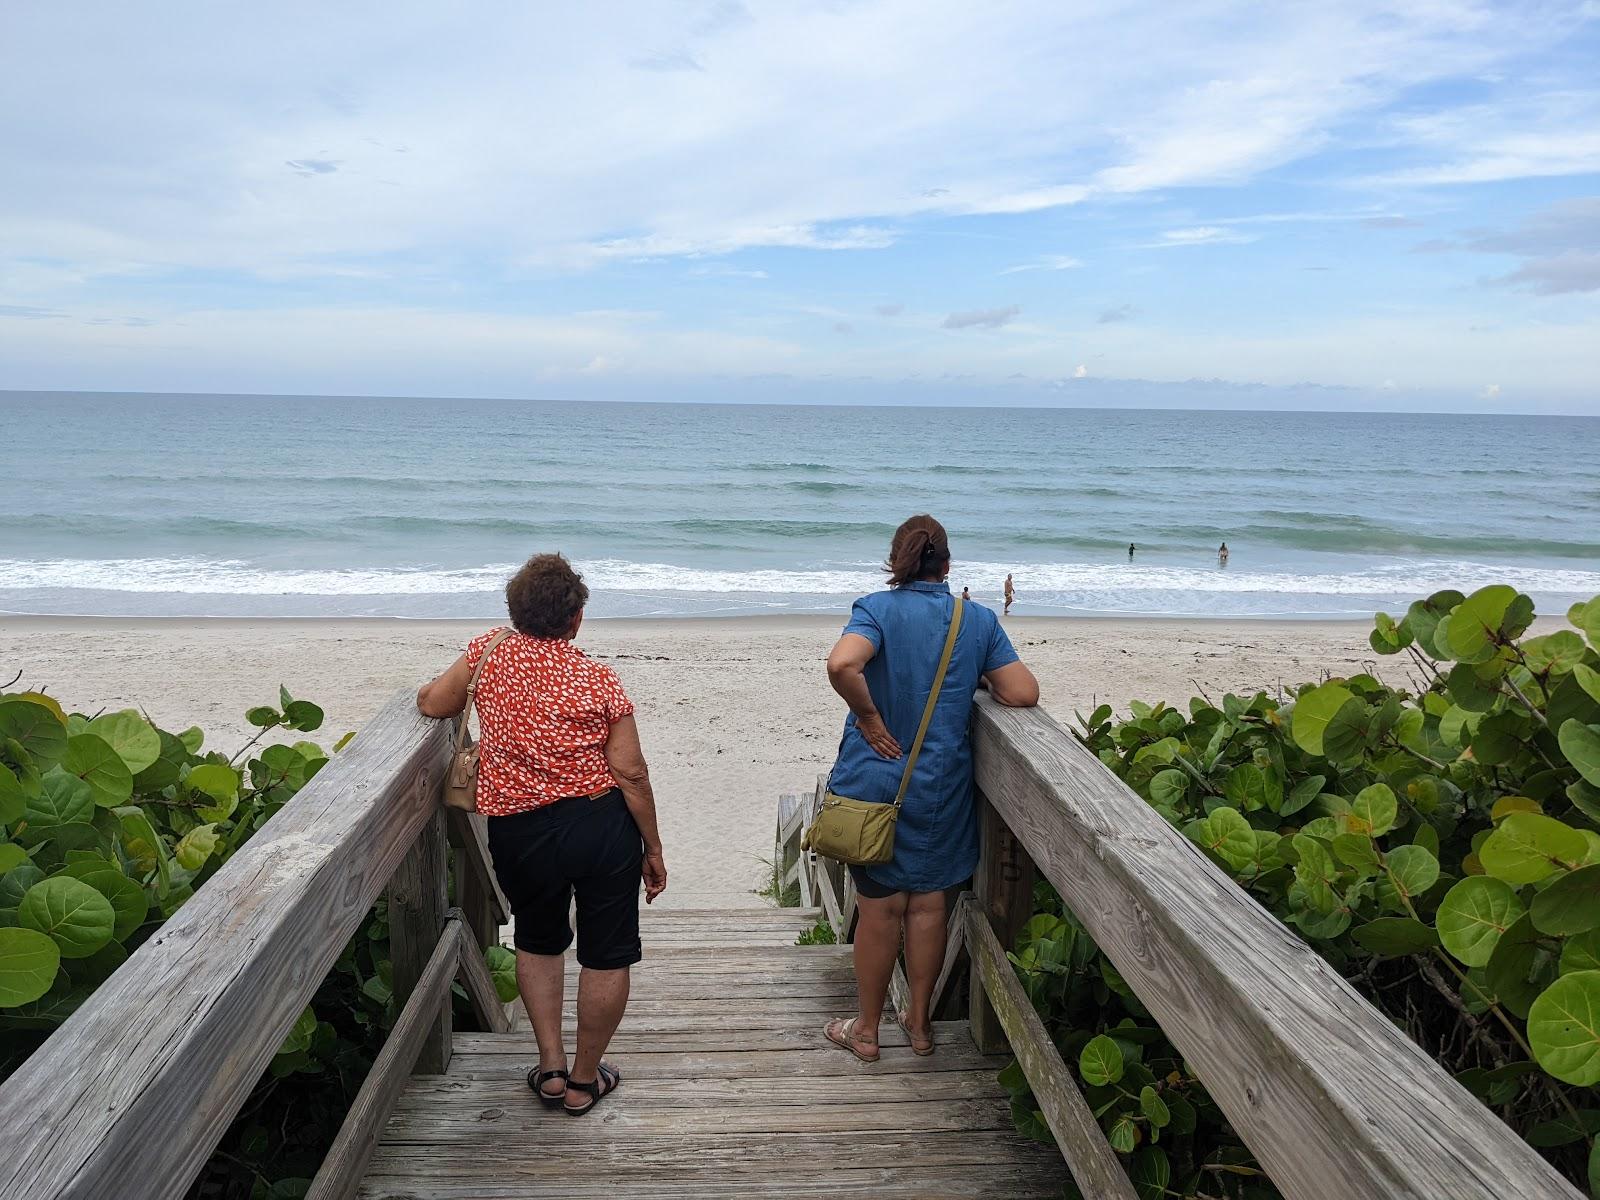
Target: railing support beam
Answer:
pixel 1003 891
pixel 418 899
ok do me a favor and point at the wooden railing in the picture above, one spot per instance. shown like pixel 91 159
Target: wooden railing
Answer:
pixel 130 1096
pixel 1332 1098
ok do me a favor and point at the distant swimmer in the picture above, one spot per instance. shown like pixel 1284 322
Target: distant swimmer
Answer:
pixel 1011 595
pixel 1131 549
pixel 966 593
pixel 1222 555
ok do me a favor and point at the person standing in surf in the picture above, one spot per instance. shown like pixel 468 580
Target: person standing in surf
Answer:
pixel 1011 595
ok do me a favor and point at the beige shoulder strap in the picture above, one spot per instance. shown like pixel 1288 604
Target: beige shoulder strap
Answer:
pixel 933 699
pixel 472 688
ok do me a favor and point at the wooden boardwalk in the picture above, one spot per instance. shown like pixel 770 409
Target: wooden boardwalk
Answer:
pixel 729 1089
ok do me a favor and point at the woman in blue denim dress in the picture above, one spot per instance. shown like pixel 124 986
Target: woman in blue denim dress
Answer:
pixel 883 666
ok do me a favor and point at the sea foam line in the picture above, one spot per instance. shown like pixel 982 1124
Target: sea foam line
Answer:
pixel 1060 583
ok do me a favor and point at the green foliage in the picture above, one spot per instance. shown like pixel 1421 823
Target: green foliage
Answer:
pixel 110 824
pixel 1439 846
pixel 820 934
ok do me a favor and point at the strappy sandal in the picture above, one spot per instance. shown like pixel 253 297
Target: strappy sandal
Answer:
pixel 607 1080
pixel 536 1081
pixel 841 1031
pixel 922 1047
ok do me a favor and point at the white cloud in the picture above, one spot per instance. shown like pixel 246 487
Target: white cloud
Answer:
pixel 1081 372
pixel 1200 235
pixel 570 136
pixel 1491 391
pixel 1050 262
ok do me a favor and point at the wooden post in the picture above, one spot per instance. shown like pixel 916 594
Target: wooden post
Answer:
pixel 475 893
pixel 1003 891
pixel 417 906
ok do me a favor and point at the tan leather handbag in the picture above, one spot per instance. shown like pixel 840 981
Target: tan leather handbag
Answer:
pixel 461 782
pixel 859 832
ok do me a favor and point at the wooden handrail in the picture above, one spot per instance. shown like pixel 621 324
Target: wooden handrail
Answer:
pixel 129 1097
pixel 1335 1101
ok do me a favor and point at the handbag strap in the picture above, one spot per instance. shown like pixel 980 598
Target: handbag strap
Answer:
pixel 933 699
pixel 472 688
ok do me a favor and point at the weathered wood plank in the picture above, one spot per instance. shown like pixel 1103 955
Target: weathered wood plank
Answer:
pixel 478 893
pixel 474 975
pixel 734 918
pixel 774 1038
pixel 418 896
pixel 1002 890
pixel 997 1182
pixel 814 1063
pixel 1093 1162
pixel 1336 1102
pixel 131 1094
pixel 346 1160
pixel 491 1125
pixel 506 1088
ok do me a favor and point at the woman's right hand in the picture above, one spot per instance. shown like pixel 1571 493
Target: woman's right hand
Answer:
pixel 655 875
pixel 878 736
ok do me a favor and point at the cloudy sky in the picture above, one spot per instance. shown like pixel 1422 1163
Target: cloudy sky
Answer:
pixel 1348 204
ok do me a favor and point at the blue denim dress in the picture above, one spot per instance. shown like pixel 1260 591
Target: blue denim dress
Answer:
pixel 936 839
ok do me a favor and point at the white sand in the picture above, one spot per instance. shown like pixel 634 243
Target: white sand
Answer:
pixel 732 710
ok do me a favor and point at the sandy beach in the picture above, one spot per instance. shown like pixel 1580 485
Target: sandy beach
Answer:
pixel 733 711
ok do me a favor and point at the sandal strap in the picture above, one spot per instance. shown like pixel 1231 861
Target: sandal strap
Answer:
pixel 603 1074
pixel 543 1077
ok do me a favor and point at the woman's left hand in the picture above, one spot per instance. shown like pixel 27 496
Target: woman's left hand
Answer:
pixel 878 736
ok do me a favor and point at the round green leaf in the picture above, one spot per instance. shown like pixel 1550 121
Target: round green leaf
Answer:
pixel 1424 616
pixel 77 917
pixel 219 782
pixel 1564 1028
pixel 1408 872
pixel 28 964
pixel 1373 811
pixel 165 770
pixel 1313 711
pixel 1395 936
pixel 1151 1105
pixel 129 902
pixel 131 736
pixel 1473 915
pixel 1227 835
pixel 1510 970
pixel 1100 1061
pixel 13 799
pixel 35 728
pixel 302 715
pixel 92 759
pixel 1245 787
pixel 1168 787
pixel 1556 653
pixel 1581 952
pixel 14 884
pixel 1526 847
pixel 1150 1172
pixel 1475 622
pixel 11 855
pixel 1588 679
pixel 62 799
pixel 195 847
pixel 1581 744
pixel 1569 905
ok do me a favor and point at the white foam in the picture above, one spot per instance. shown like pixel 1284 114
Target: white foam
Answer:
pixel 1093 586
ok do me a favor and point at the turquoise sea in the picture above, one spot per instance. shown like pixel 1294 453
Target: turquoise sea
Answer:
pixel 277 506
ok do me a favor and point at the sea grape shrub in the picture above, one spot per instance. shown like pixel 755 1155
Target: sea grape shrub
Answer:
pixel 110 823
pixel 1440 846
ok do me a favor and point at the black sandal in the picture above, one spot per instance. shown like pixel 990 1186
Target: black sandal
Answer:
pixel 536 1081
pixel 608 1076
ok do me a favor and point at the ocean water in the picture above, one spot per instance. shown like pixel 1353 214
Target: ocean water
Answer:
pixel 279 506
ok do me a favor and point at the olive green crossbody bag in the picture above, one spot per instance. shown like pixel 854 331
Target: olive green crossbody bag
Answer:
pixel 856 831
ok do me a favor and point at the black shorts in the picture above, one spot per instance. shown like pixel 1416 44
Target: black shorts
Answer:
pixel 591 847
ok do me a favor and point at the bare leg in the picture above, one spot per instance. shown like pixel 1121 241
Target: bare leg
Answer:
pixel 602 999
pixel 925 940
pixel 541 979
pixel 877 947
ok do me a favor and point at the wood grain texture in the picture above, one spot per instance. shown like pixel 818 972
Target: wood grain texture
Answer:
pixel 731 1094
pixel 418 895
pixel 130 1095
pixel 1093 1162
pixel 1002 890
pixel 474 975
pixel 346 1160
pixel 478 893
pixel 1336 1102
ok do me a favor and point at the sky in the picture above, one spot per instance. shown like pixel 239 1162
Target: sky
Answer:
pixel 1348 205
